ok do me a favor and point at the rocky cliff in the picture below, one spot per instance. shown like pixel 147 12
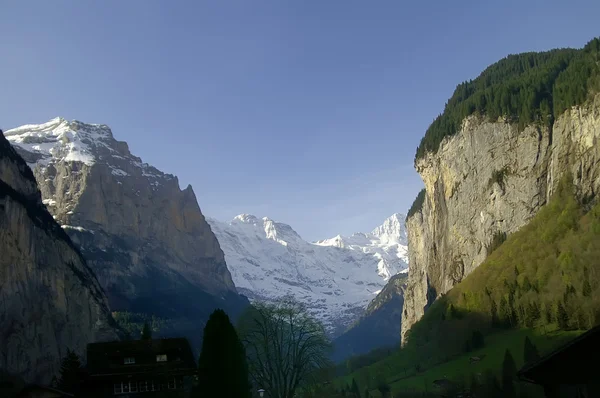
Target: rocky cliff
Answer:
pixel 490 179
pixel 145 238
pixel 50 300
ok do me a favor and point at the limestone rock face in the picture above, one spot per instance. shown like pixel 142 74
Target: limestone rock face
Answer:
pixel 488 179
pixel 50 300
pixel 145 238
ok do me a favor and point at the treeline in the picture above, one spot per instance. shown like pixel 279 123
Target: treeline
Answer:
pixel 544 276
pixel 526 88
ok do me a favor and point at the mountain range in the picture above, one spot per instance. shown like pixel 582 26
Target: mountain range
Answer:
pixel 154 254
pixel 336 278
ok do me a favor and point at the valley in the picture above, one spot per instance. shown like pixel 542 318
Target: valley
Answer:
pixel 297 267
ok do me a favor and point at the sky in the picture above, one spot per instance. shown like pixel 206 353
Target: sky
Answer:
pixel 305 111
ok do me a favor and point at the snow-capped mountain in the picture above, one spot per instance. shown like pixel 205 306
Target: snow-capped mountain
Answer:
pixel 388 243
pixel 336 278
pixel 145 238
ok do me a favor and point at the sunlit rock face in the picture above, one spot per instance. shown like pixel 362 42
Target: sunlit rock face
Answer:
pixel 487 179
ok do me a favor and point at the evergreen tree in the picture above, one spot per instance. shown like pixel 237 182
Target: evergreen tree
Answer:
pixel 509 371
pixel 494 313
pixel 71 373
pixel 504 312
pixel 146 332
pixel 367 394
pixel 354 389
pixel 548 314
pixel 562 318
pixel 586 290
pixel 222 365
pixel 530 351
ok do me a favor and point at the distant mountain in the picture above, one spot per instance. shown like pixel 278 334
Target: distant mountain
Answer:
pixel 145 238
pixel 336 278
pixel 51 300
pixel 379 326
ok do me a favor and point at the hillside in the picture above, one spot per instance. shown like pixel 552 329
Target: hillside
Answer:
pixel 379 326
pixel 544 275
pixel 542 282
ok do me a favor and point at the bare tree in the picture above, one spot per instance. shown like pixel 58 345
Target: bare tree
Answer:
pixel 285 346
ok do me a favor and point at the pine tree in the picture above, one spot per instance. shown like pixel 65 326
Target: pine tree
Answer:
pixel 586 290
pixel 562 318
pixel 71 373
pixel 509 371
pixel 548 314
pixel 504 312
pixel 494 313
pixel 354 389
pixel 530 351
pixel 146 332
pixel 222 365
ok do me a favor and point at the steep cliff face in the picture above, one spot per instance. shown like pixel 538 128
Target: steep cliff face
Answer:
pixel 146 239
pixel 487 180
pixel 50 300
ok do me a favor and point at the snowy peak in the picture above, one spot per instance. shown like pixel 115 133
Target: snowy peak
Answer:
pixel 336 278
pixel 267 228
pixel 393 229
pixel 245 218
pixel 387 243
pixel 62 141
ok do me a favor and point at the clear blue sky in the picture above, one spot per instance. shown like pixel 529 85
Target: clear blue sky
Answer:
pixel 308 112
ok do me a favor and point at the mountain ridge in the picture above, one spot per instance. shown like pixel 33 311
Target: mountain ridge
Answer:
pixel 336 278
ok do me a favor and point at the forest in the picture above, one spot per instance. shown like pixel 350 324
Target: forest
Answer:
pixel 524 88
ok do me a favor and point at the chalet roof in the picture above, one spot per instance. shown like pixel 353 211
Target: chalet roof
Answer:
pixel 568 364
pixel 107 359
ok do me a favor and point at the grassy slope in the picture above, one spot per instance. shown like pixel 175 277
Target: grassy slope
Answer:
pixel 494 354
pixel 391 369
pixel 540 263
